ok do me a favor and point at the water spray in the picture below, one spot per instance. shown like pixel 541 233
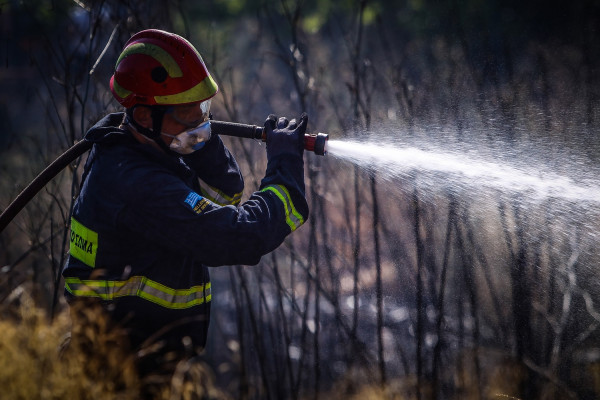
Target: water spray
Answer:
pixel 315 142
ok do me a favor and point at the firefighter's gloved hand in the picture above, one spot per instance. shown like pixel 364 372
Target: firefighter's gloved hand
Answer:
pixel 285 137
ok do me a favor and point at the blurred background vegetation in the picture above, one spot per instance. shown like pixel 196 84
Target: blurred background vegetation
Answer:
pixel 389 291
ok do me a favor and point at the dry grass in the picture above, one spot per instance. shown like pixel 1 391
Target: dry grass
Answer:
pixel 40 359
pixel 96 364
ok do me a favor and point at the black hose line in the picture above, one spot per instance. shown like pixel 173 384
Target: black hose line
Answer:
pixel 316 143
pixel 41 180
pixel 237 130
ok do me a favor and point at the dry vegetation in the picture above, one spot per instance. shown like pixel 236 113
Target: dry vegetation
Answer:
pixel 46 359
pixel 393 289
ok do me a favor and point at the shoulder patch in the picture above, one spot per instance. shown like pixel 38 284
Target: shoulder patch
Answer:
pixel 196 202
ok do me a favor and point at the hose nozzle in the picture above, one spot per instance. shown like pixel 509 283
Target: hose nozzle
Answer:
pixel 316 143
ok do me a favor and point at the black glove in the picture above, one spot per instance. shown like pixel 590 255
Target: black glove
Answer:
pixel 285 137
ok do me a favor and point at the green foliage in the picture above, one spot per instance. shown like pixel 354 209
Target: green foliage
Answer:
pixel 233 7
pixel 40 17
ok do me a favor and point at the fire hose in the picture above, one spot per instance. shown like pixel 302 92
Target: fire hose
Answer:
pixel 316 143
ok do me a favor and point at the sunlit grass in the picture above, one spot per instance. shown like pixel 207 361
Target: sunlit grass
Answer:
pixel 36 364
pixel 40 359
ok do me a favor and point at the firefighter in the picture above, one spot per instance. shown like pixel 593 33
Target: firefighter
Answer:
pixel 160 197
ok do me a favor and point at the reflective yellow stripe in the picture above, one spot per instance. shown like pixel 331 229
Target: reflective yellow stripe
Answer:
pixel 142 287
pixel 292 217
pixel 159 54
pixel 120 90
pixel 217 196
pixel 202 91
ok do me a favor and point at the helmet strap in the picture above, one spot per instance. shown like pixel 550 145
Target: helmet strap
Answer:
pixel 157 114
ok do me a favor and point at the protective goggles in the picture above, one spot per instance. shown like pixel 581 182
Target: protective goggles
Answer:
pixel 198 132
pixel 191 115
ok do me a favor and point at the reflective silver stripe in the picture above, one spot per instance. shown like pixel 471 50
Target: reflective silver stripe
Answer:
pixel 292 217
pixel 217 196
pixel 142 287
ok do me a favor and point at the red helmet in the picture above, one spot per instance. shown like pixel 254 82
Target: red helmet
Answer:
pixel 160 68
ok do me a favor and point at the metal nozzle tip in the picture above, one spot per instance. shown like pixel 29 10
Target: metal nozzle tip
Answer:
pixel 321 144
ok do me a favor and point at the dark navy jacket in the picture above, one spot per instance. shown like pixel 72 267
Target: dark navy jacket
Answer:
pixel 146 225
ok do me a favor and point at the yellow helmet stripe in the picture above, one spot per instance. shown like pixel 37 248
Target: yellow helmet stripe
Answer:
pixel 120 90
pixel 202 91
pixel 160 55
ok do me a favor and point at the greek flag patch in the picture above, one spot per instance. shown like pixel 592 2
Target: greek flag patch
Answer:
pixel 196 202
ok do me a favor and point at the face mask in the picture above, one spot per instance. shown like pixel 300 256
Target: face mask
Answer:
pixel 190 140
